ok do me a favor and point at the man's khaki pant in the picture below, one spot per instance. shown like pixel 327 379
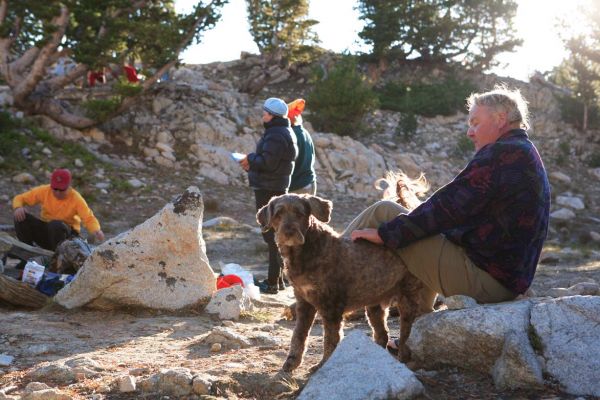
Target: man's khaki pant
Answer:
pixel 443 266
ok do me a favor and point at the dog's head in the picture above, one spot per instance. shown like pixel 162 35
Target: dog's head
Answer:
pixel 289 216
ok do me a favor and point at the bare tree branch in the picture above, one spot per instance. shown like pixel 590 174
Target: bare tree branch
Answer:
pixel 25 87
pixel 3 10
pixel 25 61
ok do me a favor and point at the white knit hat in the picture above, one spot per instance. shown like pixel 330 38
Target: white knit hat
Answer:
pixel 276 107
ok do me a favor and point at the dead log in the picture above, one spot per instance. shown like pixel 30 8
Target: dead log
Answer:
pixel 21 294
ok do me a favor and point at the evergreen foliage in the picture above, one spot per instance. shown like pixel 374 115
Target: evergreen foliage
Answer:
pixel 473 32
pixel 90 34
pixel 429 100
pixel 580 73
pixel 281 28
pixel 340 100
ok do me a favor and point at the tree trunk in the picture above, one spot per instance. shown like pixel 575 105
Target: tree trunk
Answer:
pixel 585 117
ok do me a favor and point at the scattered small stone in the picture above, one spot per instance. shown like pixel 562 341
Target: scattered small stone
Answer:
pixel 227 338
pixel 126 384
pixel 201 384
pixel 563 214
pixel 103 185
pixel 78 163
pixel 136 183
pixel 47 394
pixel 595 236
pixel 35 386
pixel 6 360
pixel 228 324
pixel 570 201
pixel 139 371
pixel 216 347
pixel 37 349
pixel 560 177
pixel 23 177
pixel 36 164
pixel 47 151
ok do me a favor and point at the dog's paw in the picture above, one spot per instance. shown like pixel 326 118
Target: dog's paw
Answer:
pixel 404 355
pixel 290 364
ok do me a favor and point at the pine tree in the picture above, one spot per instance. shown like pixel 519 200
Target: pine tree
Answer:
pixel 281 28
pixel 35 34
pixel 440 30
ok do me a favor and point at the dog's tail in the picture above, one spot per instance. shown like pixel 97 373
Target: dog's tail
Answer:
pixel 407 190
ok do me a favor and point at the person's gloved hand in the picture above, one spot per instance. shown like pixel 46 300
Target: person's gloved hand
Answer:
pixel 20 214
pixel 99 236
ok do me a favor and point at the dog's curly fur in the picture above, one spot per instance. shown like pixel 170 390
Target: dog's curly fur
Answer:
pixel 332 275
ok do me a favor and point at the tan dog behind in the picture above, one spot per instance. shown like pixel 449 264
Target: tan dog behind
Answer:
pixel 332 275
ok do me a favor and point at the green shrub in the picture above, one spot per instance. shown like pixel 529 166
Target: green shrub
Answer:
pixel 593 160
pixel 407 126
pixel 11 140
pixel 339 102
pixel 429 100
pixel 124 88
pixel 101 109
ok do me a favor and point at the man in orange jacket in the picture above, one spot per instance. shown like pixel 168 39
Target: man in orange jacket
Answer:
pixel 63 211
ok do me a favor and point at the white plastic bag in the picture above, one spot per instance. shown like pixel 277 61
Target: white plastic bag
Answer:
pixel 33 273
pixel 250 288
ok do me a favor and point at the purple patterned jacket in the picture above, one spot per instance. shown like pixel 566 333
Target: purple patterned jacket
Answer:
pixel 496 209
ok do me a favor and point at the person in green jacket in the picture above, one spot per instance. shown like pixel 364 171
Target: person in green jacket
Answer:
pixel 304 178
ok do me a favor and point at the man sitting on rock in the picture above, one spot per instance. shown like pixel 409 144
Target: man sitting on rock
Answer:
pixel 63 210
pixel 480 235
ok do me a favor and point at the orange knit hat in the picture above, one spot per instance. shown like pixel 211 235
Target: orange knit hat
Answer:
pixel 295 108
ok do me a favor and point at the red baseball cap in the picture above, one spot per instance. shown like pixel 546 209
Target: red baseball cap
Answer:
pixel 60 179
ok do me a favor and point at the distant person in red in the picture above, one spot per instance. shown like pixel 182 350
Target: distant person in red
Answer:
pixel 131 73
pixel 94 76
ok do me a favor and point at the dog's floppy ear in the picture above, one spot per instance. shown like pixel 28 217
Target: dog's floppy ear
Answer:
pixel 263 216
pixel 320 208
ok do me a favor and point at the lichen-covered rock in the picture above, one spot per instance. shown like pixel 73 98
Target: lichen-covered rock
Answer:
pixel 159 264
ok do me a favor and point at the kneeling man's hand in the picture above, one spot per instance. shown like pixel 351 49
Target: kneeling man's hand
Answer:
pixel 367 234
pixel 99 236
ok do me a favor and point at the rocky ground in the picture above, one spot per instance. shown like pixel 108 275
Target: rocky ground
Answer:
pixel 104 348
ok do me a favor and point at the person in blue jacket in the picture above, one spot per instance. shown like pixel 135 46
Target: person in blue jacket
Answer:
pixel 269 173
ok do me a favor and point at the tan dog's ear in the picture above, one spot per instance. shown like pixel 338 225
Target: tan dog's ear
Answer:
pixel 263 216
pixel 320 208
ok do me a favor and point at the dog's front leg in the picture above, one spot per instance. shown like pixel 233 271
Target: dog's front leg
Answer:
pixel 305 316
pixel 332 334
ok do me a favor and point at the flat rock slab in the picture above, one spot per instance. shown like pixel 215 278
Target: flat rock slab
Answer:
pixel 359 369
pixel 569 330
pixel 159 264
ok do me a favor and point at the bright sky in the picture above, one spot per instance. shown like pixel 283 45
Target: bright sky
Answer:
pixel 339 25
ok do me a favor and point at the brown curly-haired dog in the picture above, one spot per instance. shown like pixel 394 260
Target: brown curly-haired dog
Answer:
pixel 332 275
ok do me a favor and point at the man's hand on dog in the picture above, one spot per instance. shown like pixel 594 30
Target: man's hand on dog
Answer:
pixel 367 234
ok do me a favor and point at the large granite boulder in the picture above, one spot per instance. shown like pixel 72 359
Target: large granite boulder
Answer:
pixel 159 264
pixel 569 333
